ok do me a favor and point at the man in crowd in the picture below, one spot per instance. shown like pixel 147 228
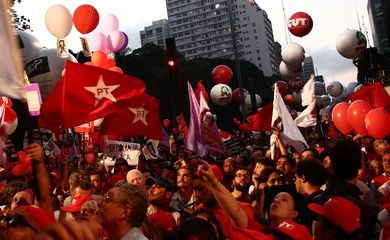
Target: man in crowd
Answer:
pixel 241 184
pixel 286 165
pixel 183 197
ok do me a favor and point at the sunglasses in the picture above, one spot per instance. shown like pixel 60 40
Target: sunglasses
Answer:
pixel 16 221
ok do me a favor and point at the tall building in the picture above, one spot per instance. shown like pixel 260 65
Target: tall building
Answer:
pixel 156 33
pixel 379 15
pixel 308 68
pixel 202 30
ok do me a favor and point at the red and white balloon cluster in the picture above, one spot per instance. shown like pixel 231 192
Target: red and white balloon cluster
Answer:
pixel 360 117
pixel 8 117
pixel 221 93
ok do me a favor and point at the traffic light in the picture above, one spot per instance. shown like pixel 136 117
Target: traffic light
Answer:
pixel 171 56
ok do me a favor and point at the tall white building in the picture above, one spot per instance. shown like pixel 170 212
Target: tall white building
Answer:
pixel 155 33
pixel 201 29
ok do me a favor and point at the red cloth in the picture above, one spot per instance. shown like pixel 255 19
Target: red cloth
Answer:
pixel 37 217
pixel 294 230
pixel 260 121
pixel 182 127
pixel 374 94
pixel 86 93
pixel 141 117
pixel 380 180
pixel 164 221
pixel 200 89
pixel 77 203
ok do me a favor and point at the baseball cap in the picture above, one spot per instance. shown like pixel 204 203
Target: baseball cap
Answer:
pixel 36 217
pixel 294 230
pixel 77 203
pixel 164 221
pixel 339 211
pixel 164 182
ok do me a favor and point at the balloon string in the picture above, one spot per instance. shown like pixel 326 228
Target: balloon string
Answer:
pixel 89 18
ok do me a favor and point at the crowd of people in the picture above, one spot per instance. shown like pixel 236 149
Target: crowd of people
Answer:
pixel 338 190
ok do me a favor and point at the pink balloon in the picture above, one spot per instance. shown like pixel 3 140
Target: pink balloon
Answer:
pixel 110 23
pixel 377 123
pixel 356 114
pixel 97 41
pixel 125 43
pixel 339 118
pixel 115 41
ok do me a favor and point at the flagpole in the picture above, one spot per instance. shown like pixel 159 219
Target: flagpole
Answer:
pixel 236 59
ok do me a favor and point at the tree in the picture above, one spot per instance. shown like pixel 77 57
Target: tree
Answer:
pixel 21 23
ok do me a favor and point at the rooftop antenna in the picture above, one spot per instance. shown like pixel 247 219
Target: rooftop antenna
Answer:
pixel 287 34
pixel 365 32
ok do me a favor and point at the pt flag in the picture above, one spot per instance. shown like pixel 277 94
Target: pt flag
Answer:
pixel 260 121
pixel 86 93
pixel 375 94
pixel 140 118
pixel 11 70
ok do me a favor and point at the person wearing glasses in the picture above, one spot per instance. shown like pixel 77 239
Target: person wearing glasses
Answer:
pixel 123 212
pixel 241 184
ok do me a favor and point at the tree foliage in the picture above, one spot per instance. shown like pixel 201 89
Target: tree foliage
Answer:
pixel 20 23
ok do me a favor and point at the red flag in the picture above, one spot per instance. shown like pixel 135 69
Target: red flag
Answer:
pixel 86 93
pixel 374 94
pixel 182 127
pixel 140 118
pixel 200 89
pixel 260 121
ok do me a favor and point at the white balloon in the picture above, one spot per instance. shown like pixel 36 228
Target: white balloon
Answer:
pixel 46 69
pixel 350 88
pixel 351 44
pixel 29 45
pixel 248 103
pixel 221 94
pixel 358 87
pixel 319 100
pixel 293 55
pixel 297 97
pixel 58 20
pixel 286 72
pixel 334 89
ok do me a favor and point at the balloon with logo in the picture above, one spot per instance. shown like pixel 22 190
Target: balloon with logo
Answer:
pixel 334 89
pixel 293 55
pixel 377 122
pixel 221 94
pixel 222 74
pixel 46 69
pixel 297 97
pixel 237 95
pixel 286 72
pixel 282 87
pixel 300 24
pixel 339 118
pixel 356 115
pixel 85 18
pixel 29 45
pixel 58 21
pixel 296 84
pixel 248 103
pixel 351 44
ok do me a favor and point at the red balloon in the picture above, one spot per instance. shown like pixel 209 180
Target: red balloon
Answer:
pixel 99 59
pixel 288 99
pixel 222 74
pixel 21 169
pixel 296 84
pixel 174 130
pixel 236 96
pixel 116 69
pixel 85 18
pixel 166 123
pixel 282 87
pixel 300 24
pixel 377 123
pixel 356 114
pixel 339 117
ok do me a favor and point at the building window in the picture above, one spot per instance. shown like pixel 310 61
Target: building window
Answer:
pixel 158 30
pixel 149 32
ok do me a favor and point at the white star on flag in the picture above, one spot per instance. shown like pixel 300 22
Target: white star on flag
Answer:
pixel 140 115
pixel 101 90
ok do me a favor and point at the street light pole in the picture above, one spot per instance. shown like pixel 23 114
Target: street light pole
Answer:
pixel 236 59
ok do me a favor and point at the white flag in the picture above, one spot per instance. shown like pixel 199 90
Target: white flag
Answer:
pixel 282 120
pixel 11 70
pixel 308 117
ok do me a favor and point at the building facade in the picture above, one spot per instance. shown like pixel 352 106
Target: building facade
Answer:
pixel 156 33
pixel 202 29
pixel 308 68
pixel 378 12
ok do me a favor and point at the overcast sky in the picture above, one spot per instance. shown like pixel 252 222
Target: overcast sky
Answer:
pixel 330 17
